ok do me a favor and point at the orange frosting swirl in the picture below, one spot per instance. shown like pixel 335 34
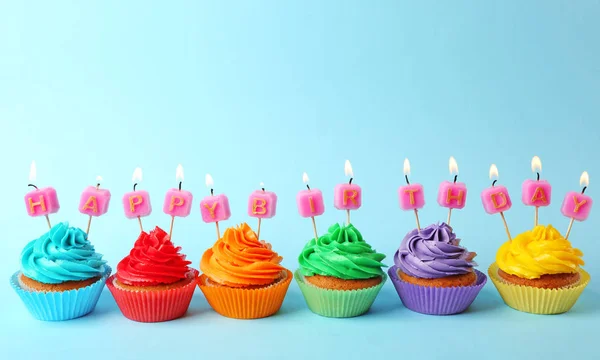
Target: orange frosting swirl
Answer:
pixel 239 259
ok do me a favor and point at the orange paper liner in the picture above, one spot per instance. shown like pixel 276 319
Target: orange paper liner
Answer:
pixel 151 305
pixel 240 303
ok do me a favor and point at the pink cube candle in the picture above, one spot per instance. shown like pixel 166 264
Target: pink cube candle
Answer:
pixel 576 206
pixel 94 201
pixel 496 199
pixel 137 204
pixel 178 203
pixel 347 196
pixel 411 197
pixel 262 204
pixel 215 208
pixel 536 193
pixel 310 203
pixel 41 202
pixel 452 195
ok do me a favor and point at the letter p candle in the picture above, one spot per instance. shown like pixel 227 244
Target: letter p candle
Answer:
pixel 177 202
pixel 137 202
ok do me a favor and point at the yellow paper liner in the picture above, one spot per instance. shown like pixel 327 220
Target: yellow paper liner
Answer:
pixel 240 303
pixel 537 300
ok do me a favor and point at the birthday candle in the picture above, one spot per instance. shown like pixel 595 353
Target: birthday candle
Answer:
pixel 177 202
pixel 40 202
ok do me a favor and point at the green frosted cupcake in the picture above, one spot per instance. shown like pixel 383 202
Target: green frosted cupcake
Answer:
pixel 340 274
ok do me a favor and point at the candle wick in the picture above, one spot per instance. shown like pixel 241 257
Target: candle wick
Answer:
pixel 308 187
pixel 263 189
pixel 406 177
pixel 455 177
pixel 583 190
pixel 538 176
pixel 32 185
pixel 180 185
pixel 97 186
pixel 494 183
pixel 211 192
pixel 350 182
pixel 134 185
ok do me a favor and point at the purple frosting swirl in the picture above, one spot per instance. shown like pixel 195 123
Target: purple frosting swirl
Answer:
pixel 433 252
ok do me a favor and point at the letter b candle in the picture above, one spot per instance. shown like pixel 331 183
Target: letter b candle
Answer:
pixel 262 205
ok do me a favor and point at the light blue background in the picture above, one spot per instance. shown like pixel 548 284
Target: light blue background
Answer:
pixel 264 90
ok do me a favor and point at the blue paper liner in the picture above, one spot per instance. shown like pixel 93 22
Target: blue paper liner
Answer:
pixel 436 300
pixel 63 305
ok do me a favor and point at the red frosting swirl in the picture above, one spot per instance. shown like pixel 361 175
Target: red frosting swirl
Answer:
pixel 154 260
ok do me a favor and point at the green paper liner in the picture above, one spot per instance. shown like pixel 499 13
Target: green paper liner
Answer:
pixel 536 300
pixel 338 303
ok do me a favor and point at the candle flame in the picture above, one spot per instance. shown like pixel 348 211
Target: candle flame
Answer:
pixel 406 167
pixel 453 166
pixel 209 181
pixel 179 173
pixel 262 184
pixel 493 172
pixel 305 178
pixel 348 169
pixel 536 164
pixel 584 180
pixel 137 175
pixel 99 179
pixel 32 172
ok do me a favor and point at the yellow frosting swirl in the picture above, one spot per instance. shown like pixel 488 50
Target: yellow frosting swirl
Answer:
pixel 538 252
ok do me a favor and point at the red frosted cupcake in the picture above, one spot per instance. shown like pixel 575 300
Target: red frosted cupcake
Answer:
pixel 154 282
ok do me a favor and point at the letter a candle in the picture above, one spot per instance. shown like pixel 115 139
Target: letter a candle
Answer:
pixel 262 205
pixel 177 202
pixel 214 208
pixel 137 202
pixel 496 199
pixel 94 201
pixel 536 192
pixel 40 202
pixel 310 203
pixel 577 206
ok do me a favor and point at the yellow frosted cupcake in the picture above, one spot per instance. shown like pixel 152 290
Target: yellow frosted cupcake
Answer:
pixel 539 272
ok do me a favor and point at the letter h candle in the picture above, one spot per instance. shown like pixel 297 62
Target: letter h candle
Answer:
pixel 40 202
pixel 137 202
pixel 452 195
pixel 214 208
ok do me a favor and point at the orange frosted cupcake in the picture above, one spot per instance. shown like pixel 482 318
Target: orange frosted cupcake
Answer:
pixel 242 277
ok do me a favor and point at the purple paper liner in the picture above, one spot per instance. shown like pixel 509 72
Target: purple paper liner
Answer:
pixel 436 300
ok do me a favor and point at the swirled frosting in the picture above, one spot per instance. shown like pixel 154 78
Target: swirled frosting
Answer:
pixel 433 252
pixel 538 252
pixel 341 253
pixel 154 260
pixel 239 259
pixel 62 254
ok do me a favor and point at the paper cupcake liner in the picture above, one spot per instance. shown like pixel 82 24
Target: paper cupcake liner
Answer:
pixel 153 305
pixel 436 300
pixel 239 303
pixel 338 303
pixel 536 300
pixel 60 305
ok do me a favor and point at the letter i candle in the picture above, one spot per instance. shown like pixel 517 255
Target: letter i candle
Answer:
pixel 347 196
pixel 137 202
pixel 536 192
pixel 94 202
pixel 452 195
pixel 40 202
pixel 496 199
pixel 262 205
pixel 411 196
pixel 310 203
pixel 577 206
pixel 177 202
pixel 214 208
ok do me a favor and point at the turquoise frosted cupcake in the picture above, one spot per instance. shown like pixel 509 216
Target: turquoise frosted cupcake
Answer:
pixel 61 275
pixel 340 274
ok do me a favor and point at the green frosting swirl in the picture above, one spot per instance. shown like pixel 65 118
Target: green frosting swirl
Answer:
pixel 341 253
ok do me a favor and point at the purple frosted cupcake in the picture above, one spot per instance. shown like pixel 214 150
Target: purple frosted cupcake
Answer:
pixel 433 274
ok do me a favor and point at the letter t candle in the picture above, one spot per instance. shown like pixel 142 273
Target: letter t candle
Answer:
pixel 496 199
pixel 411 197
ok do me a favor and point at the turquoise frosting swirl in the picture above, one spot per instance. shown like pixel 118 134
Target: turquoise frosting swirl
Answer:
pixel 62 254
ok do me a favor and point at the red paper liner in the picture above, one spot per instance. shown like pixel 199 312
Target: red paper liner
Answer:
pixel 153 305
pixel 240 303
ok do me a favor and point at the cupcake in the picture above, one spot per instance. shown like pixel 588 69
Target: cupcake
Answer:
pixel 242 277
pixel 340 274
pixel 433 274
pixel 539 272
pixel 154 282
pixel 61 276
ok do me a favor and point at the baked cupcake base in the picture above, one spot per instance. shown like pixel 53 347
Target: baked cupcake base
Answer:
pixel 433 300
pixel 60 305
pixel 538 300
pixel 156 303
pixel 245 303
pixel 338 303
